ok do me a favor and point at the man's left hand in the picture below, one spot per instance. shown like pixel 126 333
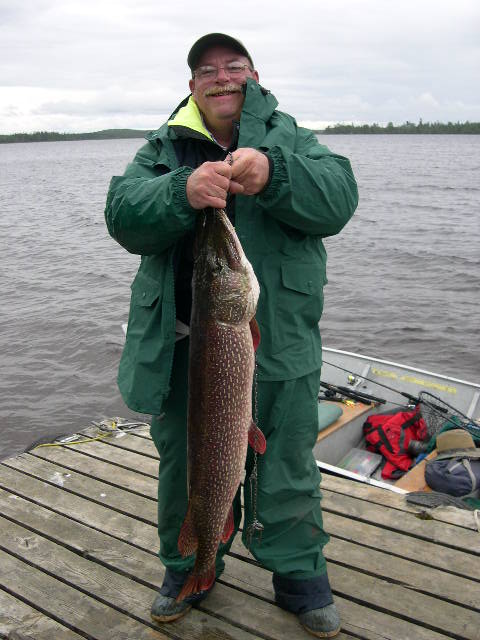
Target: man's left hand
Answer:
pixel 250 168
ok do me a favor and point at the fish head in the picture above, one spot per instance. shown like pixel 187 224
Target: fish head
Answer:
pixel 223 277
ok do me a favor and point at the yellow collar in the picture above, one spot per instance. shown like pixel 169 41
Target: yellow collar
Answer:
pixel 190 117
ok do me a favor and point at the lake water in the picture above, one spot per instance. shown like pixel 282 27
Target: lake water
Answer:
pixel 404 275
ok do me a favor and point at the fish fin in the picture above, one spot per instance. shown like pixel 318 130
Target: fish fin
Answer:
pixel 197 582
pixel 187 540
pixel 229 527
pixel 256 439
pixel 255 330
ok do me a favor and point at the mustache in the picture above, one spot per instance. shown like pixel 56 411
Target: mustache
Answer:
pixel 231 87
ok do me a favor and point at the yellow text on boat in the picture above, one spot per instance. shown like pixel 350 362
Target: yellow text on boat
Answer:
pixel 428 384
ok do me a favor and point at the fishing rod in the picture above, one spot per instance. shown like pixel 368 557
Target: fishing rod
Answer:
pixel 359 396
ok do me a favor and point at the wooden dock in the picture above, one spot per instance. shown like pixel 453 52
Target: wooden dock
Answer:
pixel 78 557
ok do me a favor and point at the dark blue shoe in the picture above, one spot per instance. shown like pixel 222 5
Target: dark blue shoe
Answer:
pixel 322 623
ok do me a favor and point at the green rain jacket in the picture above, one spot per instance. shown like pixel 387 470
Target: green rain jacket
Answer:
pixel 312 194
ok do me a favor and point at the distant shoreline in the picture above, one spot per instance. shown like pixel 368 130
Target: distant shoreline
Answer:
pixel 374 129
pixel 406 127
pixel 55 136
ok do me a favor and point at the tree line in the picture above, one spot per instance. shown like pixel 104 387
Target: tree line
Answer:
pixel 46 136
pixel 110 134
pixel 406 127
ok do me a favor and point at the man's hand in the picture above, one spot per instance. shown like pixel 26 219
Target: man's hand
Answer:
pixel 250 168
pixel 208 185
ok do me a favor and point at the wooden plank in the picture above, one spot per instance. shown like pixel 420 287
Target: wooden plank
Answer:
pixel 355 530
pixel 136 482
pixel 93 431
pixel 263 617
pixel 88 487
pixel 459 517
pixel 387 498
pixel 399 600
pixel 408 573
pixel 227 602
pixel 95 515
pixel 379 496
pixel 368 615
pixel 115 455
pixel 408 523
pixel 123 439
pixel 144 434
pixel 100 469
pixel 372 624
pixel 397 543
pixel 62 602
pixel 350 412
pixel 129 442
pixel 142 524
pixel 401 545
pixel 114 590
pixel 362 621
pixel 134 562
pixel 443 584
pixel 20 620
pixel 280 625
pixel 76 536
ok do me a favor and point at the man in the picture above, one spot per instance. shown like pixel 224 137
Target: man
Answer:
pixel 284 192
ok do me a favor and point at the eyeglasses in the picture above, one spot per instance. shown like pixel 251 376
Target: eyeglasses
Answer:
pixel 209 72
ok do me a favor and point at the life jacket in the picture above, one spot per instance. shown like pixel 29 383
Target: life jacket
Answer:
pixel 389 434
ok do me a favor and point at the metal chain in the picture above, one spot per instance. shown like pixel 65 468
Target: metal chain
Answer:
pixel 256 527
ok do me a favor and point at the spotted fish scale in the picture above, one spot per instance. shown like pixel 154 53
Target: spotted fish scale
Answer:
pixel 221 369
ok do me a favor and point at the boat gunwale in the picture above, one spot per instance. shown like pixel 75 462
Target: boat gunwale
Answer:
pixel 401 366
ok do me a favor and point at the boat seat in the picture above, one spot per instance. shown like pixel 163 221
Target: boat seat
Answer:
pixel 328 413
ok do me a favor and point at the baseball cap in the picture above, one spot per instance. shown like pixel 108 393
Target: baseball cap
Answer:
pixel 456 443
pixel 214 40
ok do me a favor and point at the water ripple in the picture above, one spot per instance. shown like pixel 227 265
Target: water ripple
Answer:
pixel 404 273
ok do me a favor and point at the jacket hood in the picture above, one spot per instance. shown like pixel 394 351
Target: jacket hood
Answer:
pixel 259 102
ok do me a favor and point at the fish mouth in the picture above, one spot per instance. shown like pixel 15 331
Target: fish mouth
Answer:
pixel 226 90
pixel 217 239
pixel 227 241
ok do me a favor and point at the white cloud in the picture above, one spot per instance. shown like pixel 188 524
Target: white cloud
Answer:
pixel 427 99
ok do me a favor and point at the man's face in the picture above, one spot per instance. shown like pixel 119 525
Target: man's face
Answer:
pixel 220 97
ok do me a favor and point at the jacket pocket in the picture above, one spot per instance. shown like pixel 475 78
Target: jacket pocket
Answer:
pixel 151 321
pixel 145 365
pixel 145 290
pixel 299 304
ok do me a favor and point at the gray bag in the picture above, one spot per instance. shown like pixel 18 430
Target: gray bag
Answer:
pixel 455 476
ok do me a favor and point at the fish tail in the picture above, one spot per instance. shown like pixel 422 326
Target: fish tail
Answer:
pixel 197 582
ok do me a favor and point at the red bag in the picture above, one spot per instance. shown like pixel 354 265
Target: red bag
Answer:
pixel 389 434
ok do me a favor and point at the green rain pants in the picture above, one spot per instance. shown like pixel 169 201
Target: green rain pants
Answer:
pixel 288 502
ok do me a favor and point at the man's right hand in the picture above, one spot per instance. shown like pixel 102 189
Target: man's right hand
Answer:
pixel 208 185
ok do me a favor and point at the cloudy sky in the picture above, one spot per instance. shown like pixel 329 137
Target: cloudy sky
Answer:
pixel 85 65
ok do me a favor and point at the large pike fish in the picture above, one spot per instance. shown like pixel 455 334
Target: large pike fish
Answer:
pixel 223 335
